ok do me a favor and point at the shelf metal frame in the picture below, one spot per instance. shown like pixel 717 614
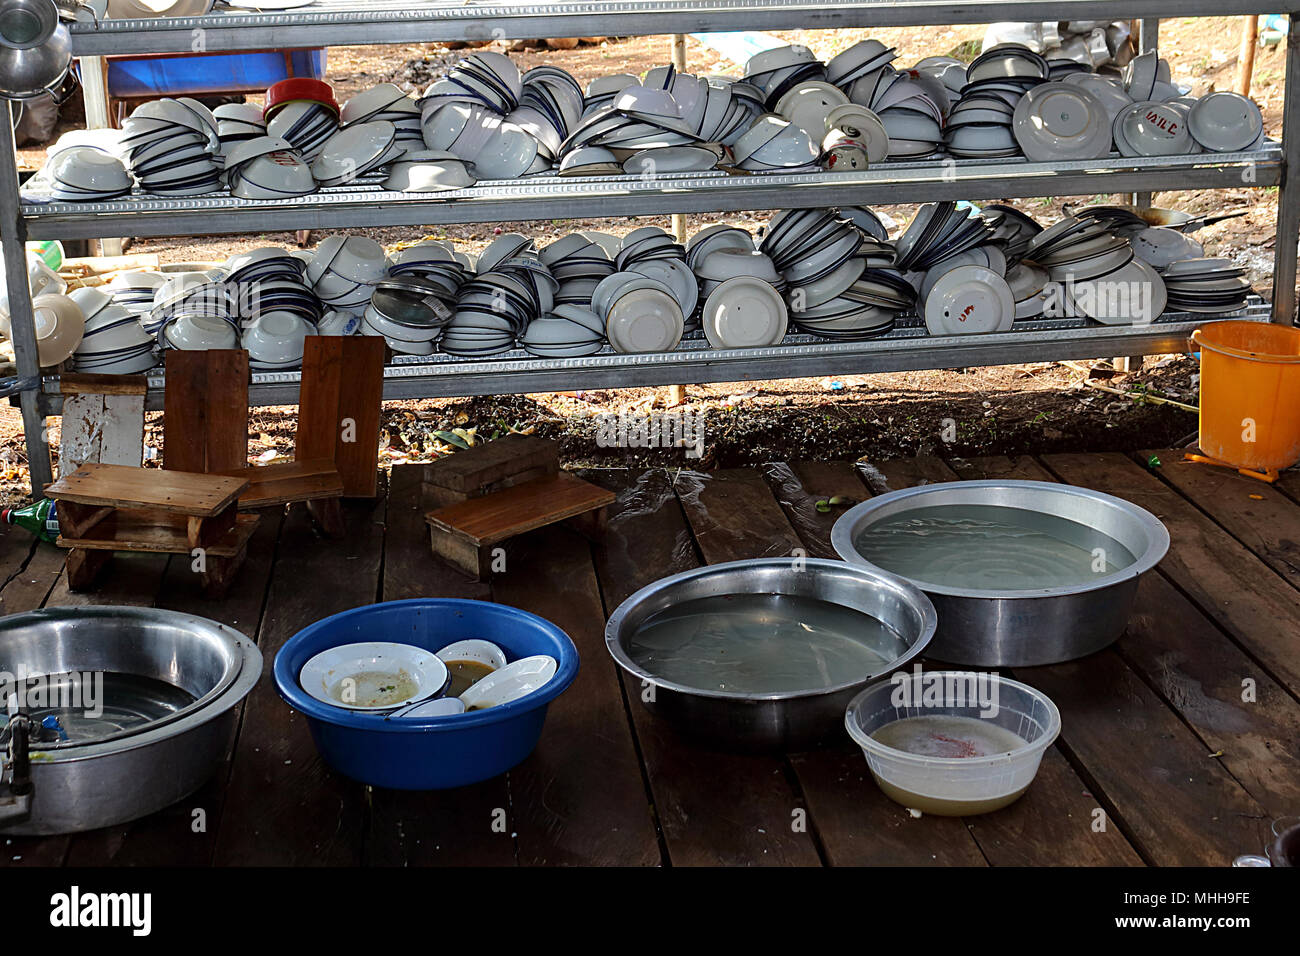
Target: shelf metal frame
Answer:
pixel 356 22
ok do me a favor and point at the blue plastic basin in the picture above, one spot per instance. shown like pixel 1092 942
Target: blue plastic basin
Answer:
pixel 433 753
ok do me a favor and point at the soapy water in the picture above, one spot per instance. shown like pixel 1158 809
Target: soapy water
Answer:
pixel 763 644
pixel 990 547
pixel 948 736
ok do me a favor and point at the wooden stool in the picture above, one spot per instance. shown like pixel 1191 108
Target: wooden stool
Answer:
pixel 205 428
pixel 107 508
pixel 497 491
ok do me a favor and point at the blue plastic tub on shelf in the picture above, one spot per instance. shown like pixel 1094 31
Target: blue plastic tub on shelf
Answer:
pixel 205 73
pixel 433 753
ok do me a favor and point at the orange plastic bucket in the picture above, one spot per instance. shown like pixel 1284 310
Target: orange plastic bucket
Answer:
pixel 1250 394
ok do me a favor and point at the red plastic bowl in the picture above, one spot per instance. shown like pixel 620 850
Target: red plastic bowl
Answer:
pixel 298 88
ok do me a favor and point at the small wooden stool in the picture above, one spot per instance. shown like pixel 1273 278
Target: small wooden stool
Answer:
pixel 107 508
pixel 497 491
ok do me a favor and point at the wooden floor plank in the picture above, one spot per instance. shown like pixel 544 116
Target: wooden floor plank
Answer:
pixel 1254 512
pixel 580 798
pixel 175 836
pixel 1048 825
pixel 435 827
pixel 1229 583
pixel 713 808
pixel 284 806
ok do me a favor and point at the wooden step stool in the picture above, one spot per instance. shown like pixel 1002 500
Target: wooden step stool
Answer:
pixel 107 508
pixel 205 431
pixel 497 491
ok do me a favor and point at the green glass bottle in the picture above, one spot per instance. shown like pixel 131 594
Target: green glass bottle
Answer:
pixel 41 519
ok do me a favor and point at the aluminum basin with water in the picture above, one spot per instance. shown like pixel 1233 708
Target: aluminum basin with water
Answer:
pixel 751 722
pixel 113 777
pixel 1021 628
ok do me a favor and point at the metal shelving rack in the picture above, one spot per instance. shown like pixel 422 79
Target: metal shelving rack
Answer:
pixel 358 22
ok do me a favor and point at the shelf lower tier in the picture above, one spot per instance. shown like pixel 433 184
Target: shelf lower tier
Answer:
pixel 554 197
pixel 352 22
pixel 906 348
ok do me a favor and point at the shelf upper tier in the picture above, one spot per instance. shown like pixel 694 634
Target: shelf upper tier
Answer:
pixel 907 347
pixel 356 22
pixel 552 197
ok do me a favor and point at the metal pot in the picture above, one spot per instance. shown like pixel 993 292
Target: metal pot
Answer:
pixel 35 48
pixel 72 786
pixel 781 721
pixel 983 628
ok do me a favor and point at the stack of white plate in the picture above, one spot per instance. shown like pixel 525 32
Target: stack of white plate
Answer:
pixel 492 311
pixel 714 237
pixel 775 72
pixel 810 105
pixel 910 106
pixel 773 143
pixel 429 171
pixel 437 262
pixel 172 147
pixel 1210 286
pixel 355 150
pixel 816 252
pixel 268 280
pixel 865 309
pixel 275 341
pixel 87 174
pixel 550 105
pixel 135 290
pixel 1150 128
pixel 651 252
pixel 1160 246
pixel 568 330
pixel 409 311
pixel 499 149
pixel 343 271
pixel 859 62
pixel 744 312
pixel 387 102
pixel 114 341
pixel 1096 274
pixel 722 265
pixel 980 126
pixel 987 255
pixel 237 122
pixel 195 311
pixel 638 313
pixel 268 167
pixel 1226 122
pixel 1010 228
pixel 939 230
pixel 305 124
pixel 578 264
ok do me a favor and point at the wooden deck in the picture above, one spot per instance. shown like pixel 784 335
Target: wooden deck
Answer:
pixel 1178 746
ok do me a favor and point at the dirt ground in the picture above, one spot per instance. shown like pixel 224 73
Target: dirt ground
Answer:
pixel 956 412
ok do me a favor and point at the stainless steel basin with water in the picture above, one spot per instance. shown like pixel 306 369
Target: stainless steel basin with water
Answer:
pixel 1014 628
pixel 778 721
pixel 108 775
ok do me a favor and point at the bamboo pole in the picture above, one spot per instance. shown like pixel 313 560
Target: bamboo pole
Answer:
pixel 1246 53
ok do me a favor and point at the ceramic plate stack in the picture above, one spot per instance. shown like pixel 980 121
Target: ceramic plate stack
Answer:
pixel 478 134
pixel 268 168
pixel 344 270
pixel 1210 286
pixel 195 311
pixel 550 105
pixel 816 252
pixel 773 143
pixel 866 309
pixel 389 103
pixel 1011 229
pixel 87 174
pixel 436 262
pixel 939 230
pixel 640 117
pixel 638 313
pixel 492 310
pixel 907 107
pixel 409 311
pixel 114 342
pixel 653 253
pixel 859 62
pixel 356 150
pixel 775 72
pixel 578 264
pixel 567 331
pixel 307 124
pixel 1097 273
pixel 172 147
pixel 135 290
pixel 986 255
pixel 721 267
pixel 980 126
pixel 237 122
pixel 271 292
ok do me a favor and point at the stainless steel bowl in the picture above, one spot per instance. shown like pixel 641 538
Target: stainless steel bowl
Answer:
pixel 784 721
pixel 134 772
pixel 981 628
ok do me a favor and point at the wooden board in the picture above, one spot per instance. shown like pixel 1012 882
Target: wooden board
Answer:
pixel 469 472
pixel 441 827
pixel 1241 593
pixel 284 482
pixel 205 410
pixel 338 407
pixel 101 428
pixel 172 492
pixel 284 806
pixel 127 530
pixel 580 798
pixel 534 504
pixel 87 383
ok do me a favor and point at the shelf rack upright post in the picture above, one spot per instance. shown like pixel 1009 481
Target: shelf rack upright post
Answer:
pixel 362 22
